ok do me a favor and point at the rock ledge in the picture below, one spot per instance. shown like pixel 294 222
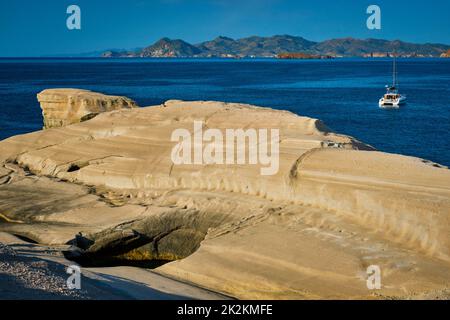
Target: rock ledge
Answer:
pixel 61 107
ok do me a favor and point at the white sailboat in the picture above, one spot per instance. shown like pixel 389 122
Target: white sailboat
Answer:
pixel 392 98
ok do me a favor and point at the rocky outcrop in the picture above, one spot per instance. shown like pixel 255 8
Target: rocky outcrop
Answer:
pixel 61 107
pixel 335 206
pixel 169 48
pixel 446 54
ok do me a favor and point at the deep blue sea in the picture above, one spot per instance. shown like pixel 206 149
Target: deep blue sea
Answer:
pixel 343 93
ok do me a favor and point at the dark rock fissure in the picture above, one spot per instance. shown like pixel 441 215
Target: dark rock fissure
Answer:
pixel 149 242
pixel 122 248
pixel 73 168
pixel 26 239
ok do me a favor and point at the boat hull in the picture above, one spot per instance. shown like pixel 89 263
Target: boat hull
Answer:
pixel 391 103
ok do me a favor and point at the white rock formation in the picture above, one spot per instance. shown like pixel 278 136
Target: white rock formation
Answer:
pixel 61 107
pixel 334 208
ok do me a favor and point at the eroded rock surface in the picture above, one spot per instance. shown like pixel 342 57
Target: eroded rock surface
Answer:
pixel 335 207
pixel 61 107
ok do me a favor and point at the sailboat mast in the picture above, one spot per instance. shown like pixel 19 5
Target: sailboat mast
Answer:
pixel 394 74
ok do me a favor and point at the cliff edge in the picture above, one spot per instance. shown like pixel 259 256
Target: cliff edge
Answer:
pixel 61 107
pixel 334 208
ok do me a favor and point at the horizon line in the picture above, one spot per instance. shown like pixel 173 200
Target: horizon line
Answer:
pixel 73 55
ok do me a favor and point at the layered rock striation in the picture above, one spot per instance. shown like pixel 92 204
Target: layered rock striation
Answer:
pixel 61 107
pixel 336 206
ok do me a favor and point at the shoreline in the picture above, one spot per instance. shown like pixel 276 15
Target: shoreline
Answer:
pixel 334 208
pixel 97 283
pixel 256 59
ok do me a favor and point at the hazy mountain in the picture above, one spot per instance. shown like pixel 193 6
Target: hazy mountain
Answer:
pixel 272 46
pixel 91 54
pixel 119 53
pixel 94 54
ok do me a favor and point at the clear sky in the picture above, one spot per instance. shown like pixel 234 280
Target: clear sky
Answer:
pixel 38 27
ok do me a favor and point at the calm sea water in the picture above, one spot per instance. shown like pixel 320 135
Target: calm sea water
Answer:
pixel 343 93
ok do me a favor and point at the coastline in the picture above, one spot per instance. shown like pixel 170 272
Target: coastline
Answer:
pixel 356 58
pixel 222 159
pixel 107 186
pixel 335 83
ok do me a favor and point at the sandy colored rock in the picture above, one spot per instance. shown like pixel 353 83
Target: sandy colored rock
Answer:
pixel 38 272
pixel 446 54
pixel 61 107
pixel 335 207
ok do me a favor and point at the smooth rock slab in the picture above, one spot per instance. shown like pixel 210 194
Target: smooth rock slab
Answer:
pixel 334 208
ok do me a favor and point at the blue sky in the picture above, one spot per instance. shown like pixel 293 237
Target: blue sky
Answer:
pixel 38 27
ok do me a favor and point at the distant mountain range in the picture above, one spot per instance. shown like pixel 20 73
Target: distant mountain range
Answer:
pixel 282 44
